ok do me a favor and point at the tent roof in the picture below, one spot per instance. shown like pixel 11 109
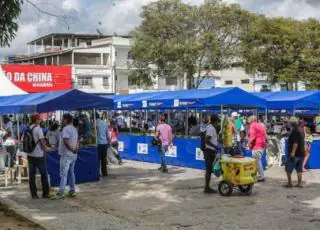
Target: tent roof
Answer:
pixel 51 101
pixel 195 98
pixel 8 88
pixel 291 99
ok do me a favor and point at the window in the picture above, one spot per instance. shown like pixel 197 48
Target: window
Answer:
pixel 106 82
pixel 229 82
pixel 171 81
pixel 85 82
pixel 245 81
pixel 283 87
pixel 130 56
pixel 265 88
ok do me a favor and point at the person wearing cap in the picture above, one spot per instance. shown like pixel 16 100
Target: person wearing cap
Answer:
pixel 296 149
pixel 68 150
pixel 36 159
pixel 164 134
pixel 257 143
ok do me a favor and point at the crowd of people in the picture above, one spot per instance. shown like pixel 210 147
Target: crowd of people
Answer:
pixel 232 135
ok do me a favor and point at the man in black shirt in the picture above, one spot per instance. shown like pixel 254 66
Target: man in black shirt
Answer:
pixel 295 152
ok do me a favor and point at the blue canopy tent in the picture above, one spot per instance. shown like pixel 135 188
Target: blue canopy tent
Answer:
pixel 195 98
pixel 291 100
pixel 132 101
pixel 87 165
pixel 51 101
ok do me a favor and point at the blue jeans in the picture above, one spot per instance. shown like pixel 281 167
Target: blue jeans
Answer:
pixel 67 173
pixel 163 150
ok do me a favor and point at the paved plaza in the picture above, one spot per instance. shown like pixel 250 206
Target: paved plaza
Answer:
pixel 137 196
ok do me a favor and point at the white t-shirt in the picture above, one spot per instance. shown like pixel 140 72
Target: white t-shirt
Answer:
pixel 212 133
pixel 119 120
pixel 37 135
pixel 69 132
pixel 53 137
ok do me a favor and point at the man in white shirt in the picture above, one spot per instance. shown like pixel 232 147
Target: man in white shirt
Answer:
pixel 68 150
pixel 210 151
pixel 36 159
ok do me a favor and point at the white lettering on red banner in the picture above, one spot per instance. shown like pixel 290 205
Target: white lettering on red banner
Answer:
pixel 34 79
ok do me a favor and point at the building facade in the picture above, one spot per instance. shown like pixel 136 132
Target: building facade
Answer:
pixel 100 64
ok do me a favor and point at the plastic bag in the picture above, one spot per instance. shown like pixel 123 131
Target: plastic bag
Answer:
pixel 216 168
pixel 111 156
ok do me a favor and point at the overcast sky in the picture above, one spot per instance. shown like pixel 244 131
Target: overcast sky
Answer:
pixel 121 16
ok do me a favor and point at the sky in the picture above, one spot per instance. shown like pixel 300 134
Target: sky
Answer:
pixel 121 16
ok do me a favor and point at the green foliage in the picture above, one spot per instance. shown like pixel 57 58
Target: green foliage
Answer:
pixel 9 12
pixel 177 39
pixel 284 48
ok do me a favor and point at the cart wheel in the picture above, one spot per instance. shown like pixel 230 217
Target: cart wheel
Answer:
pixel 246 189
pixel 225 188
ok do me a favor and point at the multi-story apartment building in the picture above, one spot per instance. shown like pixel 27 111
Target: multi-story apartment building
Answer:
pixel 100 64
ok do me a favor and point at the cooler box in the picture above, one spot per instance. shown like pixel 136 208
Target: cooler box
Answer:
pixel 239 171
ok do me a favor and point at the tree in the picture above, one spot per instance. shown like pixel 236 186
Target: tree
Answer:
pixel 287 50
pixel 10 11
pixel 178 39
pixel 161 40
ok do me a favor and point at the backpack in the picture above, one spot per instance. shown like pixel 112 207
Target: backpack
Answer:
pixel 203 141
pixel 28 143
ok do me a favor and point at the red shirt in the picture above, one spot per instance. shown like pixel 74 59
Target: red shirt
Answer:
pixel 258 133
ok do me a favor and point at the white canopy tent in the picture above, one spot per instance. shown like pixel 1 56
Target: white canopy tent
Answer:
pixel 7 88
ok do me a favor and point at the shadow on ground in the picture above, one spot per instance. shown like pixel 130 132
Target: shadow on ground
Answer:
pixel 137 193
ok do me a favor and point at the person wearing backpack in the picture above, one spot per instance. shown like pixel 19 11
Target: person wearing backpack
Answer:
pixel 34 146
pixel 211 142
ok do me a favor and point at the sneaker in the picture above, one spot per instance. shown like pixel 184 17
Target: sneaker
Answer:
pixel 164 170
pixel 209 191
pixel 58 196
pixel 35 197
pixel 72 194
pixel 47 196
pixel 261 180
pixel 160 169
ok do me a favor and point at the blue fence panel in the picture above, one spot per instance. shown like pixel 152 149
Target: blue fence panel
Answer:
pixel 86 168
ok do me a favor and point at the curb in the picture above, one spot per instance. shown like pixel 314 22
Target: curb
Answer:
pixel 20 211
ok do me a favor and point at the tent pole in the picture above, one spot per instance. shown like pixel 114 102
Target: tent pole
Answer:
pixel 95 125
pixel 187 123
pixel 130 123
pixel 18 127
pixel 266 116
pixel 221 117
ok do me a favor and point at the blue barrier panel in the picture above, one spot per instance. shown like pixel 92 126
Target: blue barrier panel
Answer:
pixel 86 168
pixel 139 148
pixel 314 161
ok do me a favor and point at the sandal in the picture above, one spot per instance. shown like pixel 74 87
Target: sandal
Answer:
pixel 299 186
pixel 288 186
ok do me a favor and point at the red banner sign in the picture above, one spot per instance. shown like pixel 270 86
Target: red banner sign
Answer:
pixel 35 79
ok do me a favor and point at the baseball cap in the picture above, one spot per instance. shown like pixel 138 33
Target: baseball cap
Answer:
pixel 36 117
pixel 235 114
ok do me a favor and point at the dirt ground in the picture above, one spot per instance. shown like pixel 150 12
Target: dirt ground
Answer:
pixel 136 196
pixel 11 221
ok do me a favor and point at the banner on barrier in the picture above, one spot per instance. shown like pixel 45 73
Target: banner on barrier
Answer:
pixel 172 151
pixel 142 148
pixel 199 154
pixel 120 146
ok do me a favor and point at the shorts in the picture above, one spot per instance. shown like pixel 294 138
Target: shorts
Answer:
pixel 294 163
